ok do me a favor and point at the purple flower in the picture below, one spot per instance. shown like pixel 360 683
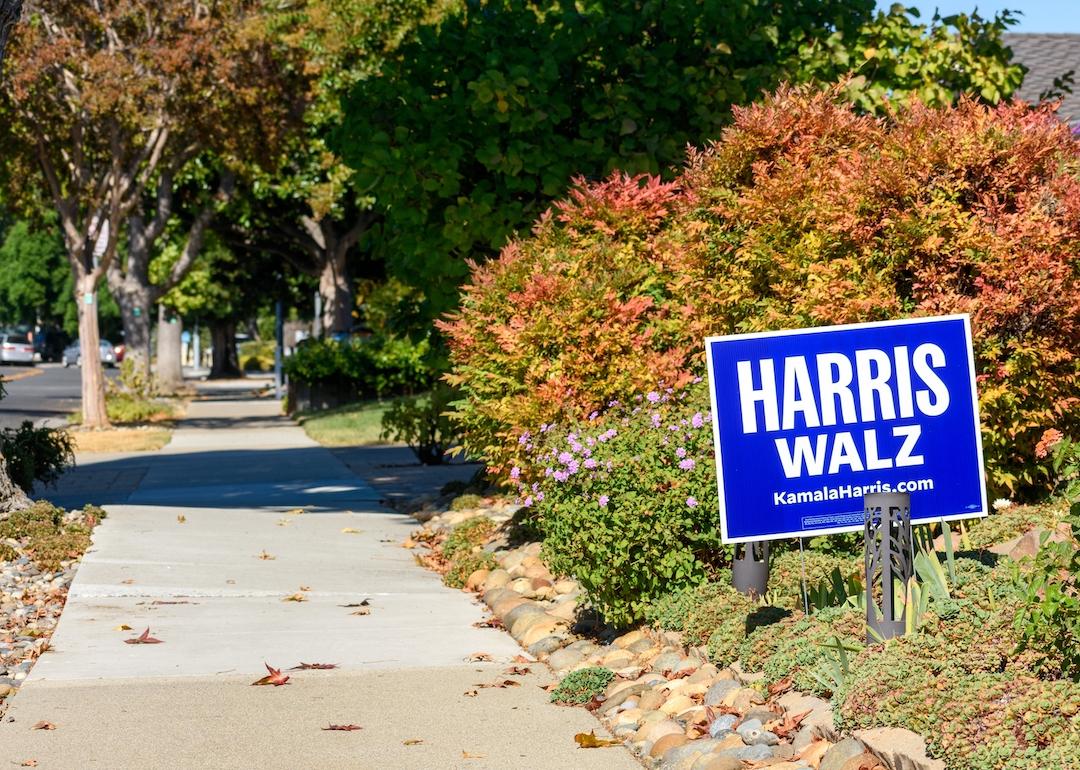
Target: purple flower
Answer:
pixel 691 502
pixel 561 476
pixel 528 501
pixel 680 452
pixel 565 457
pixel 547 471
pixel 673 427
pixel 515 473
pixel 697 420
pixel 613 403
pixel 591 463
pixel 539 497
pixel 545 427
pixel 590 441
pixel 576 446
pixel 573 466
pixel 687 464
pixel 594 415
pixel 603 501
pixel 653 397
pixel 610 464
pixel 524 438
pixel 536 487
pixel 696 380
pixel 587 452
pixel 656 419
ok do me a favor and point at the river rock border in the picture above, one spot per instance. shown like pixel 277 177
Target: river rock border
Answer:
pixel 672 708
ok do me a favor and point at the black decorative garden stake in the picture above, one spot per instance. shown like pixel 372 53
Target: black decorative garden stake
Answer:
pixel 887 537
pixel 750 570
pixel 10 10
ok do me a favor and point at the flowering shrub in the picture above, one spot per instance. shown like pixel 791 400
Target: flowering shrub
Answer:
pixel 627 500
pixel 805 213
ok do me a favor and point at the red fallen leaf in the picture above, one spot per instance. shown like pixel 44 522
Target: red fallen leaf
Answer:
pixel 782 686
pixel 491 622
pixel 790 723
pixel 313 666
pixel 344 728
pixel 275 678
pixel 522 659
pixel 499 685
pixel 595 702
pixel 517 671
pixel 43 725
pixel 29 763
pixel 143 638
pixel 478 657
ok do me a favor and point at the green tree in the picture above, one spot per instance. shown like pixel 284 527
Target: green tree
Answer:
pixel 471 130
pixel 35 282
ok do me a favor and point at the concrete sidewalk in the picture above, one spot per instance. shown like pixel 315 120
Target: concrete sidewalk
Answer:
pixel 182 556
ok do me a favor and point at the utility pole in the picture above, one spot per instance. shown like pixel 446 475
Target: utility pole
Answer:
pixel 10 10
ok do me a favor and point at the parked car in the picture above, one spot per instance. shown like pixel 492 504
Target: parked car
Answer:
pixel 16 349
pixel 73 354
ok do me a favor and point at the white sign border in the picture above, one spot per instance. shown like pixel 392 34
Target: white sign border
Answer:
pixel 721 499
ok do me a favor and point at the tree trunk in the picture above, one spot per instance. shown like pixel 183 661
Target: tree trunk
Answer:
pixel 134 302
pixel 93 377
pixel 226 363
pixel 169 373
pixel 336 292
pixel 11 497
pixel 10 10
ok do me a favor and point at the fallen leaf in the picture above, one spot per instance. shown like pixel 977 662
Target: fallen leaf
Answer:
pixel 492 622
pixel 467 755
pixel 517 671
pixel 344 728
pixel 814 753
pixel 413 742
pixel 275 677
pixel 264 556
pixel 522 659
pixel 778 687
pixel 122 627
pixel 409 543
pixel 478 657
pixel 181 518
pixel 127 582
pixel 364 603
pixel 362 611
pixel 789 724
pixel 29 763
pixel 590 741
pixel 313 666
pixel 351 531
pixel 143 638
pixel 230 582
pixel 595 702
pixel 43 725
pixel 471 693
pixel 500 685
pixel 305 588
pixel 297 597
pixel 295 512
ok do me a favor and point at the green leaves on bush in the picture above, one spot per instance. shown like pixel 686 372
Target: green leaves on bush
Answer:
pixel 581 686
pixel 36 454
pixel 374 367
pixel 424 423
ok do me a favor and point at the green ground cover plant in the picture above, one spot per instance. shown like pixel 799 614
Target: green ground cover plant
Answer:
pixel 462 550
pixel 581 686
pixel 48 535
pixel 36 454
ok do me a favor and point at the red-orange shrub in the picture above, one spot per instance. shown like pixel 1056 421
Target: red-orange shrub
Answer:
pixel 803 213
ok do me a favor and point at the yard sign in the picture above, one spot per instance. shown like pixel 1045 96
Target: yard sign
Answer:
pixel 806 422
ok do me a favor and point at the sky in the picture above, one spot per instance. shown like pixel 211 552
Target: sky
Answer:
pixel 1038 15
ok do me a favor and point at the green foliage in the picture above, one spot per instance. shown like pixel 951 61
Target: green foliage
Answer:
pixel 627 501
pixel 786 572
pixel 49 536
pixel 805 213
pixel 798 647
pixel 581 686
pixel 465 564
pixel 468 535
pixel 424 424
pixel 374 367
pixel 671 610
pixel 257 355
pixel 477 123
pixel 464 502
pixel 36 454
pixel 35 280
pixel 1001 526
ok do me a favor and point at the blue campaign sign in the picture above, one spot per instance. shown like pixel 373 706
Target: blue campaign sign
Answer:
pixel 808 421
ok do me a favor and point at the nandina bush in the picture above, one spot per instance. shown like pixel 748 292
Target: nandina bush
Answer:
pixel 804 213
pixel 627 501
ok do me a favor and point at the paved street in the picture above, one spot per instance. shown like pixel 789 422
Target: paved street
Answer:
pixel 44 391
pixel 207 540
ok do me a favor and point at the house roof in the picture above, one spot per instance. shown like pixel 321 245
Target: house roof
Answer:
pixel 1048 56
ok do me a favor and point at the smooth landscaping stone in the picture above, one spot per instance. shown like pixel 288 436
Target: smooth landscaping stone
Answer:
pixel 624 641
pixel 617 659
pixel 563 659
pixel 753 753
pixel 542 629
pixel 651 700
pixel 493 596
pixel 546 646
pixel 566 586
pixel 837 756
pixel 668 661
pixel 566 611
pixel 760 713
pixel 476 579
pixel 749 729
pixel 666 743
pixel 901 749
pixel 506 605
pixel 720 690
pixel 521 584
pixel 618 696
pixel 716 762
pixel 703 675
pixel 499 578
pixel 676 705
pixel 525 608
pixel 723 725
pixel 684 757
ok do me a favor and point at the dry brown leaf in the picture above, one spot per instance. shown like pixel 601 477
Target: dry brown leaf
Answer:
pixel 305 588
pixel 181 518
pixel 29 763
pixel 590 741
pixel 517 671
pixel 522 659
pixel 479 657
pixel 275 677
pixel 364 603
pixel 789 724
pixel 409 543
pixel 43 725
pixel 499 685
pixel 122 627
pixel 467 755
pixel 283 522
pixel 492 622
pixel 313 666
pixel 230 582
pixel 471 693
pixel 297 597
pixel 814 753
pixel 362 611
pixel 264 556
pixel 412 742
pixel 344 728
pixel 143 638
pixel 782 686
pixel 127 582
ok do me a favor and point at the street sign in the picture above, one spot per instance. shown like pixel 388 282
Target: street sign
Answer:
pixel 805 422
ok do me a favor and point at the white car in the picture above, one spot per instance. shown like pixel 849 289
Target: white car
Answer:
pixel 16 349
